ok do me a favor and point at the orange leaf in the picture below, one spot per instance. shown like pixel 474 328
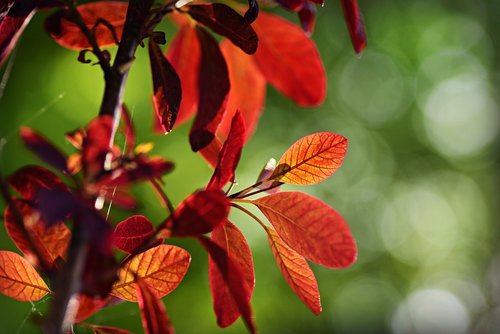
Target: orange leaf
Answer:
pixel 51 242
pixel 162 268
pixel 19 280
pixel 311 159
pixel 289 60
pixel 153 313
pixel 296 271
pixel 69 35
pixel 229 238
pixel 245 77
pixel 310 227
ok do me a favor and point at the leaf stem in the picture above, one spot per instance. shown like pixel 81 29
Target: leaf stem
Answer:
pixel 162 194
pixel 239 207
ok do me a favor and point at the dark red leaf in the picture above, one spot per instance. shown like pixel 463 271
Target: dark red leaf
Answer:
pixel 307 16
pixel 11 28
pixel 355 24
pixel 213 88
pixel 44 149
pixel 211 152
pixel 229 238
pixel 30 179
pixel 132 232
pixel 245 77
pixel 184 55
pixel 199 213
pixel 68 34
pixel 166 86
pixel 95 146
pixel 230 154
pixel 296 272
pixel 310 227
pixel 233 278
pixel 54 205
pixel 109 330
pixel 290 60
pixel 294 5
pixel 88 306
pixel 153 313
pixel 225 21
pixel 100 271
pixel 51 242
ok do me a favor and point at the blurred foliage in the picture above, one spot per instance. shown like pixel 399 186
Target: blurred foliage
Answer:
pixel 419 186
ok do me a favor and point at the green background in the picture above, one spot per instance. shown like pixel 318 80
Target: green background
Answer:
pixel 418 188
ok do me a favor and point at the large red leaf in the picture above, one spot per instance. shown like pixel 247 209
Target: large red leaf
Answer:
pixel 44 149
pixel 310 227
pixel 19 280
pixel 311 159
pixel 229 238
pixel 166 86
pixel 225 21
pixel 290 60
pixel 233 278
pixel 296 272
pixel 245 77
pixel 69 35
pixel 199 213
pixel 11 28
pixel 95 147
pixel 184 55
pixel 213 87
pixel 29 180
pixel 162 268
pixel 51 242
pixel 153 313
pixel 132 233
pixel 230 154
pixel 355 24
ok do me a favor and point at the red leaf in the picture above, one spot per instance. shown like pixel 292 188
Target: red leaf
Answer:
pixel 200 213
pixel 51 242
pixel 311 159
pixel 19 280
pixel 153 313
pixel 44 149
pixel 162 267
pixel 233 278
pixel 212 90
pixel 294 5
pixel 11 28
pixel 307 16
pixel 30 179
pixel 225 21
pixel 289 60
pixel 184 55
pixel 166 85
pixel 229 156
pixel 355 24
pixel 211 152
pixel 68 34
pixel 245 77
pixel 296 272
pixel 229 238
pixel 132 232
pixel 95 146
pixel 88 306
pixel 109 330
pixel 310 227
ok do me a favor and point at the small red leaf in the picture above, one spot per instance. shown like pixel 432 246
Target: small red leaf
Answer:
pixel 95 146
pixel 69 35
pixel 153 313
pixel 109 330
pixel 229 238
pixel 311 159
pixel 296 272
pixel 225 21
pixel 184 55
pixel 355 24
pixel 199 213
pixel 307 16
pixel 310 227
pixel 132 232
pixel 293 5
pixel 30 179
pixel 19 280
pixel 162 268
pixel 11 28
pixel 213 87
pixel 166 86
pixel 233 278
pixel 229 156
pixel 290 60
pixel 44 149
pixel 245 77
pixel 87 306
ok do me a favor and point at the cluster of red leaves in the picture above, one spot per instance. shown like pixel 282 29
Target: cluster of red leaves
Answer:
pixel 196 76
